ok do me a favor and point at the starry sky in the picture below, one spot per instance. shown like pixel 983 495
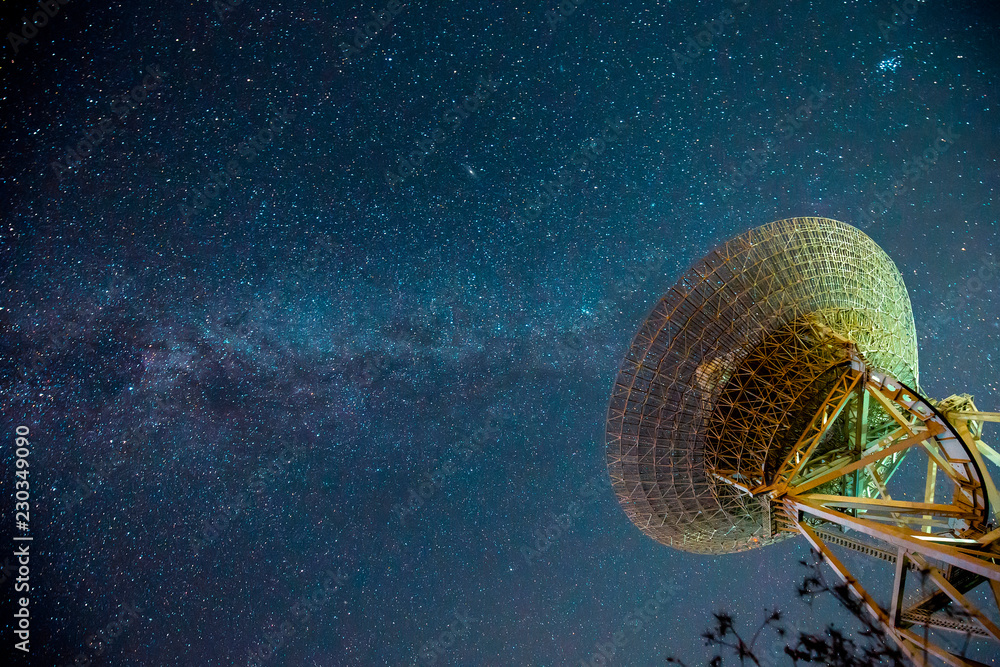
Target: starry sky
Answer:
pixel 313 309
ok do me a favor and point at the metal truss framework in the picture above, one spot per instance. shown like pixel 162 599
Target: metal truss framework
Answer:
pixel 718 380
pixel 768 394
pixel 951 538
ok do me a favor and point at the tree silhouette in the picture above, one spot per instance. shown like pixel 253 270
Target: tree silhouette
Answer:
pixel 831 646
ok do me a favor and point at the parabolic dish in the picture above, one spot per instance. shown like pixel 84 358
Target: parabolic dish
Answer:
pixel 719 374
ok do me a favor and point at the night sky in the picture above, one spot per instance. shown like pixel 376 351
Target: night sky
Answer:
pixel 313 309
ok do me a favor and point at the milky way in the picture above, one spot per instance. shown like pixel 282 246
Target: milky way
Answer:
pixel 313 309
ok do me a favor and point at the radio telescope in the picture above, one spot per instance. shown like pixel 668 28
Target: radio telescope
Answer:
pixel 774 392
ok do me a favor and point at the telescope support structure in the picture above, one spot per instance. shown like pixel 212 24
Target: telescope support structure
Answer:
pixel 951 539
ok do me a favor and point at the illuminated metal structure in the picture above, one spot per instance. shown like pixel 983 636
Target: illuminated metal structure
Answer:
pixel 773 392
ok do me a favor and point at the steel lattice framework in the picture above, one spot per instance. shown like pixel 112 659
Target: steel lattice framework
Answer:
pixel 670 414
pixel 773 392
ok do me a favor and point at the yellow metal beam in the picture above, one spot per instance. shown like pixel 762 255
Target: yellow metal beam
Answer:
pixel 867 600
pixel 942 582
pixel 988 452
pixel 890 408
pixel 976 562
pixel 821 421
pixel 929 486
pixel 934 429
pixel 989 538
pixel 890 505
pixel 941 654
pixel 972 445
pixel 977 416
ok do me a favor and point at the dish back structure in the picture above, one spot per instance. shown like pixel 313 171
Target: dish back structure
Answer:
pixel 728 364
pixel 772 392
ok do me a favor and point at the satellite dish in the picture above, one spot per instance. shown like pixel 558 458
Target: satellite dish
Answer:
pixel 773 392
